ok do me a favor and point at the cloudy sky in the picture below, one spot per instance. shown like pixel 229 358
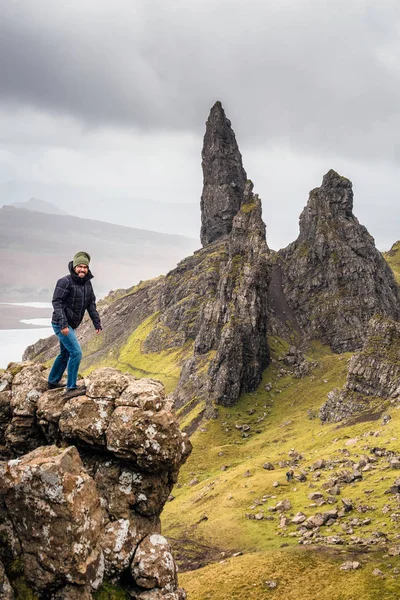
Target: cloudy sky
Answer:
pixel 103 104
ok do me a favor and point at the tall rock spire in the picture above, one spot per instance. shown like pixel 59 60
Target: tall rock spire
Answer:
pixel 224 177
pixel 333 277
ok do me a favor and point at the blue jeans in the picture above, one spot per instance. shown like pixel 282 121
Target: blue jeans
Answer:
pixel 70 354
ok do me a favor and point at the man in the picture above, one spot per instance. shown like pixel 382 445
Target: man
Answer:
pixel 72 296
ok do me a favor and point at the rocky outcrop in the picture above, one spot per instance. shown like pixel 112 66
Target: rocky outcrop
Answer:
pixel 223 175
pixel 333 277
pixel 230 345
pixel 57 518
pixel 83 504
pixel 373 373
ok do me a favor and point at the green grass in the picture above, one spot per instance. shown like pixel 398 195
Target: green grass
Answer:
pixel 301 574
pixel 110 592
pixel 213 510
pixel 165 365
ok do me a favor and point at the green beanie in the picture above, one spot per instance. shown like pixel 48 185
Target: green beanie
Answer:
pixel 81 258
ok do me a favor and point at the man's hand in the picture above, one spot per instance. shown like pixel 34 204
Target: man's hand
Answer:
pixel 98 331
pixel 65 331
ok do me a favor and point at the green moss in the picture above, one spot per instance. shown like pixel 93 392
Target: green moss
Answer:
pixel 16 568
pixel 110 592
pixel 19 584
pixel 248 207
pixel 165 365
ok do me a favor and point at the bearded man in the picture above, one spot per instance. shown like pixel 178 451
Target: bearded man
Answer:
pixel 72 296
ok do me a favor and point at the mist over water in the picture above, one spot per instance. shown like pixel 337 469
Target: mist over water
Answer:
pixel 14 341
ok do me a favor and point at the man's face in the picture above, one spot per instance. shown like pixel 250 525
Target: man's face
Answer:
pixel 81 270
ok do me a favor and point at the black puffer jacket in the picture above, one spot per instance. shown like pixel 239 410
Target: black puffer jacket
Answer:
pixel 71 298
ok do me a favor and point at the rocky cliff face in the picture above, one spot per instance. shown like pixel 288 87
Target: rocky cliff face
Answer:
pixel 224 177
pixel 83 504
pixel 374 373
pixel 230 347
pixel 333 277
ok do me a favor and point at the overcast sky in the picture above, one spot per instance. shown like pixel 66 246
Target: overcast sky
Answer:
pixel 104 100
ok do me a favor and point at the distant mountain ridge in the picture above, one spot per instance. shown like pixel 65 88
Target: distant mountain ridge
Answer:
pixel 178 217
pixel 35 249
pixel 38 205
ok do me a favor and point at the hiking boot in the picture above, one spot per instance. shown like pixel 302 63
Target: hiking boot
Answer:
pixel 73 392
pixel 55 386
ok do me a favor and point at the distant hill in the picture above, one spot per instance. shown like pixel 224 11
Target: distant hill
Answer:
pixel 40 206
pixel 35 249
pixel 181 216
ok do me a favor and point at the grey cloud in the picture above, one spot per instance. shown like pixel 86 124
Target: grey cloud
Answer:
pixel 314 76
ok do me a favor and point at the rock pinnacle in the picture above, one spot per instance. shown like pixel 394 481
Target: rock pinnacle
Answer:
pixel 224 178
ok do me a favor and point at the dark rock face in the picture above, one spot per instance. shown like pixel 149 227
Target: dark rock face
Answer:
pixel 228 307
pixel 333 277
pixel 372 373
pixel 234 324
pixel 73 516
pixel 223 175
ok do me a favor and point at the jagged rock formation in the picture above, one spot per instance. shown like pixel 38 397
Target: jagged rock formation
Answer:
pixel 223 175
pixel 232 321
pixel 74 515
pixel 213 306
pixel 333 277
pixel 372 373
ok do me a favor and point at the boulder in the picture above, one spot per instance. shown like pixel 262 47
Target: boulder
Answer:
pixel 372 372
pixel 119 541
pixel 5 413
pixel 153 565
pixel 299 518
pixel 123 489
pixel 147 394
pixel 153 441
pixel 106 383
pixel 56 512
pixel 86 419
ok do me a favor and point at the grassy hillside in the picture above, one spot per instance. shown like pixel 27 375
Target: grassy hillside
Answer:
pixel 165 365
pixel 224 483
pixel 227 535
pixel 393 258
